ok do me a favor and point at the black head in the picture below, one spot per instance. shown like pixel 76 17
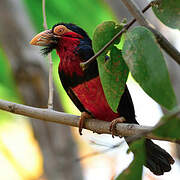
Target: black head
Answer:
pixel 75 29
pixel 50 38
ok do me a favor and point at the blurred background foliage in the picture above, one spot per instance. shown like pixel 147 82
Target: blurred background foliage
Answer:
pixel 17 141
pixel 87 14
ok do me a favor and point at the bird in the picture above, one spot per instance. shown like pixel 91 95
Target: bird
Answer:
pixel 74 46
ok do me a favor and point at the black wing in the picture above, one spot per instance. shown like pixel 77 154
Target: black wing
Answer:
pixel 65 83
pixel 126 107
pixel 84 51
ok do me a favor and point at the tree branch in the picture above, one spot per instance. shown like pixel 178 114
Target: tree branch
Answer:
pixel 85 65
pixel 98 126
pixel 50 97
pixel 164 43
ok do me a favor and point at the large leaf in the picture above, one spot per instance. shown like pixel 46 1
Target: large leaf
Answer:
pixel 147 65
pixel 169 13
pixel 113 71
pixel 134 170
pixel 170 126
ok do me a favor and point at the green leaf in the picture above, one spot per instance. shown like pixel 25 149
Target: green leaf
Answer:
pixel 169 12
pixel 147 65
pixel 113 71
pixel 170 126
pixel 103 34
pixel 134 170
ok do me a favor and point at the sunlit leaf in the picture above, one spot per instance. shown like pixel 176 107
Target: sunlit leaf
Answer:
pixel 147 65
pixel 169 12
pixel 113 71
pixel 170 125
pixel 134 170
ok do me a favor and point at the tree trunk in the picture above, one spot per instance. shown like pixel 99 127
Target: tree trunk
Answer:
pixel 30 73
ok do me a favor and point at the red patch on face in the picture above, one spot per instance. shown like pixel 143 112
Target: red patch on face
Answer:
pixel 92 96
pixel 70 61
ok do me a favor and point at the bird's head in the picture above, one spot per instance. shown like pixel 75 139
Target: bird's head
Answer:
pixel 53 38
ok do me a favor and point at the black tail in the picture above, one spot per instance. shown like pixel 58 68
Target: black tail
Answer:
pixel 157 159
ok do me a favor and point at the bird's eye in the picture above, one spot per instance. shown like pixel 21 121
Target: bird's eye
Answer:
pixel 60 30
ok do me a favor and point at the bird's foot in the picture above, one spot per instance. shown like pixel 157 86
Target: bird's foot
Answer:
pixel 112 127
pixel 84 116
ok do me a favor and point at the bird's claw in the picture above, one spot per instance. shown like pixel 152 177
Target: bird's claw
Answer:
pixel 112 127
pixel 84 116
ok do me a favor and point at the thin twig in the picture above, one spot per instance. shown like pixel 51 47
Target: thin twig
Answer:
pixel 125 28
pixel 166 45
pixel 98 126
pixel 95 153
pixel 163 42
pixel 50 98
pixel 44 14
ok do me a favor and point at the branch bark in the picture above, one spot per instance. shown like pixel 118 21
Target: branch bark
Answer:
pixel 95 125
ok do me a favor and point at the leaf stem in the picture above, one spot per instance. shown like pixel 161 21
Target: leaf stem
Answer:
pixel 85 65
pixel 163 42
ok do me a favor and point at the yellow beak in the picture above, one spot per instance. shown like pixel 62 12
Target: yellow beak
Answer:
pixel 43 39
